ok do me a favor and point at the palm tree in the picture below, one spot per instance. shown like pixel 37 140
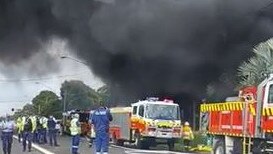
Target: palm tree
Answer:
pixel 252 71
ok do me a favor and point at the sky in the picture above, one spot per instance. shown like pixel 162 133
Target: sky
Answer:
pixel 19 83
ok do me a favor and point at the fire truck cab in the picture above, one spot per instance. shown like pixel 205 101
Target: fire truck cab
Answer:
pixel 147 123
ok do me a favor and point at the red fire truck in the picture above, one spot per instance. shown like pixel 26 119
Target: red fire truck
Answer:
pixel 146 123
pixel 242 126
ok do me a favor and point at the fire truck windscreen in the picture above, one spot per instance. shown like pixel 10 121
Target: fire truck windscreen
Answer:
pixel 164 112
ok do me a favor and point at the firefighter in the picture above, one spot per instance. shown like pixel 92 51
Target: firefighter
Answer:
pixel 19 125
pixel 27 133
pixel 92 132
pixel 52 132
pixel 75 130
pixel 8 127
pixel 187 135
pixel 101 119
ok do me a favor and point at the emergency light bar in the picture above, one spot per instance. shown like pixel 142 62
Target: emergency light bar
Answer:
pixel 168 100
pixel 152 99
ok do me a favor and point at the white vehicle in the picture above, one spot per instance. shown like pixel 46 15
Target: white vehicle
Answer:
pixel 146 123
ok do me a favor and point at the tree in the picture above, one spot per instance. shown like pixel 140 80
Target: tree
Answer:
pixel 104 94
pixel 252 71
pixel 47 103
pixel 77 95
pixel 26 110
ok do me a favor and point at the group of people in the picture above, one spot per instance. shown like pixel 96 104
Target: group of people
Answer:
pixel 30 128
pixel 100 119
pixel 34 129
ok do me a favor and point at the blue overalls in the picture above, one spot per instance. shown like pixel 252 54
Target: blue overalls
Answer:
pixel 39 131
pixel 51 125
pixel 101 119
pixel 6 136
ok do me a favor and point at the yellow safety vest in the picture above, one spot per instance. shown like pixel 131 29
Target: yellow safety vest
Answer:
pixel 43 121
pixel 34 124
pixel 23 123
pixel 19 124
pixel 74 129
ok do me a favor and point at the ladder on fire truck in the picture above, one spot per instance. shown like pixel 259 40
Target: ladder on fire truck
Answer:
pixel 248 140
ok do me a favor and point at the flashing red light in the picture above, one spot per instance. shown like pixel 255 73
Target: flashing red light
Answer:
pixel 177 130
pixel 168 100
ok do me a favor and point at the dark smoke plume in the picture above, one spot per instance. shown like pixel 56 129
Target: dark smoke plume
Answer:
pixel 143 47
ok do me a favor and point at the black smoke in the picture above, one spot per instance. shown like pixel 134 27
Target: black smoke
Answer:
pixel 143 47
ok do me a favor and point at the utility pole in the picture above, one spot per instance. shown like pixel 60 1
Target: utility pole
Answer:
pixel 194 116
pixel 39 109
pixel 65 97
pixel 64 114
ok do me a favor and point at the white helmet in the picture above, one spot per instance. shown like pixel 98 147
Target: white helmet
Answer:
pixel 76 116
pixel 186 123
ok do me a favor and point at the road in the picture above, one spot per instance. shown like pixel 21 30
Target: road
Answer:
pixel 17 148
pixel 65 143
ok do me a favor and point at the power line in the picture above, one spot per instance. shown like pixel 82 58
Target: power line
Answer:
pixel 42 78
pixel 14 101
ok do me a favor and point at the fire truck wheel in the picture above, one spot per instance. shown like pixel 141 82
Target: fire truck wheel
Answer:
pixel 258 146
pixel 171 145
pixel 140 144
pixel 116 141
pixel 138 141
pixel 219 147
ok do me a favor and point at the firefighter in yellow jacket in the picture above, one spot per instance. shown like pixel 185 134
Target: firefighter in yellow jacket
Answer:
pixel 187 135
pixel 75 130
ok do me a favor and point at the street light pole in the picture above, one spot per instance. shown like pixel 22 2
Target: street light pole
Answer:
pixel 74 59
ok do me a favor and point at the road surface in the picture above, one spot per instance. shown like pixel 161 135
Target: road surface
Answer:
pixel 17 148
pixel 65 143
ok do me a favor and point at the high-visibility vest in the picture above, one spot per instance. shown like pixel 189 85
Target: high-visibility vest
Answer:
pixel 34 124
pixel 23 123
pixel 187 133
pixel 43 121
pixel 74 129
pixel 19 124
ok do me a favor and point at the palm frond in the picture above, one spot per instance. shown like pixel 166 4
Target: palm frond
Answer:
pixel 250 72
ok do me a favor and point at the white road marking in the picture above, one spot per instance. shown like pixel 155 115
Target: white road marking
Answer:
pixel 151 151
pixel 139 151
pixel 44 151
